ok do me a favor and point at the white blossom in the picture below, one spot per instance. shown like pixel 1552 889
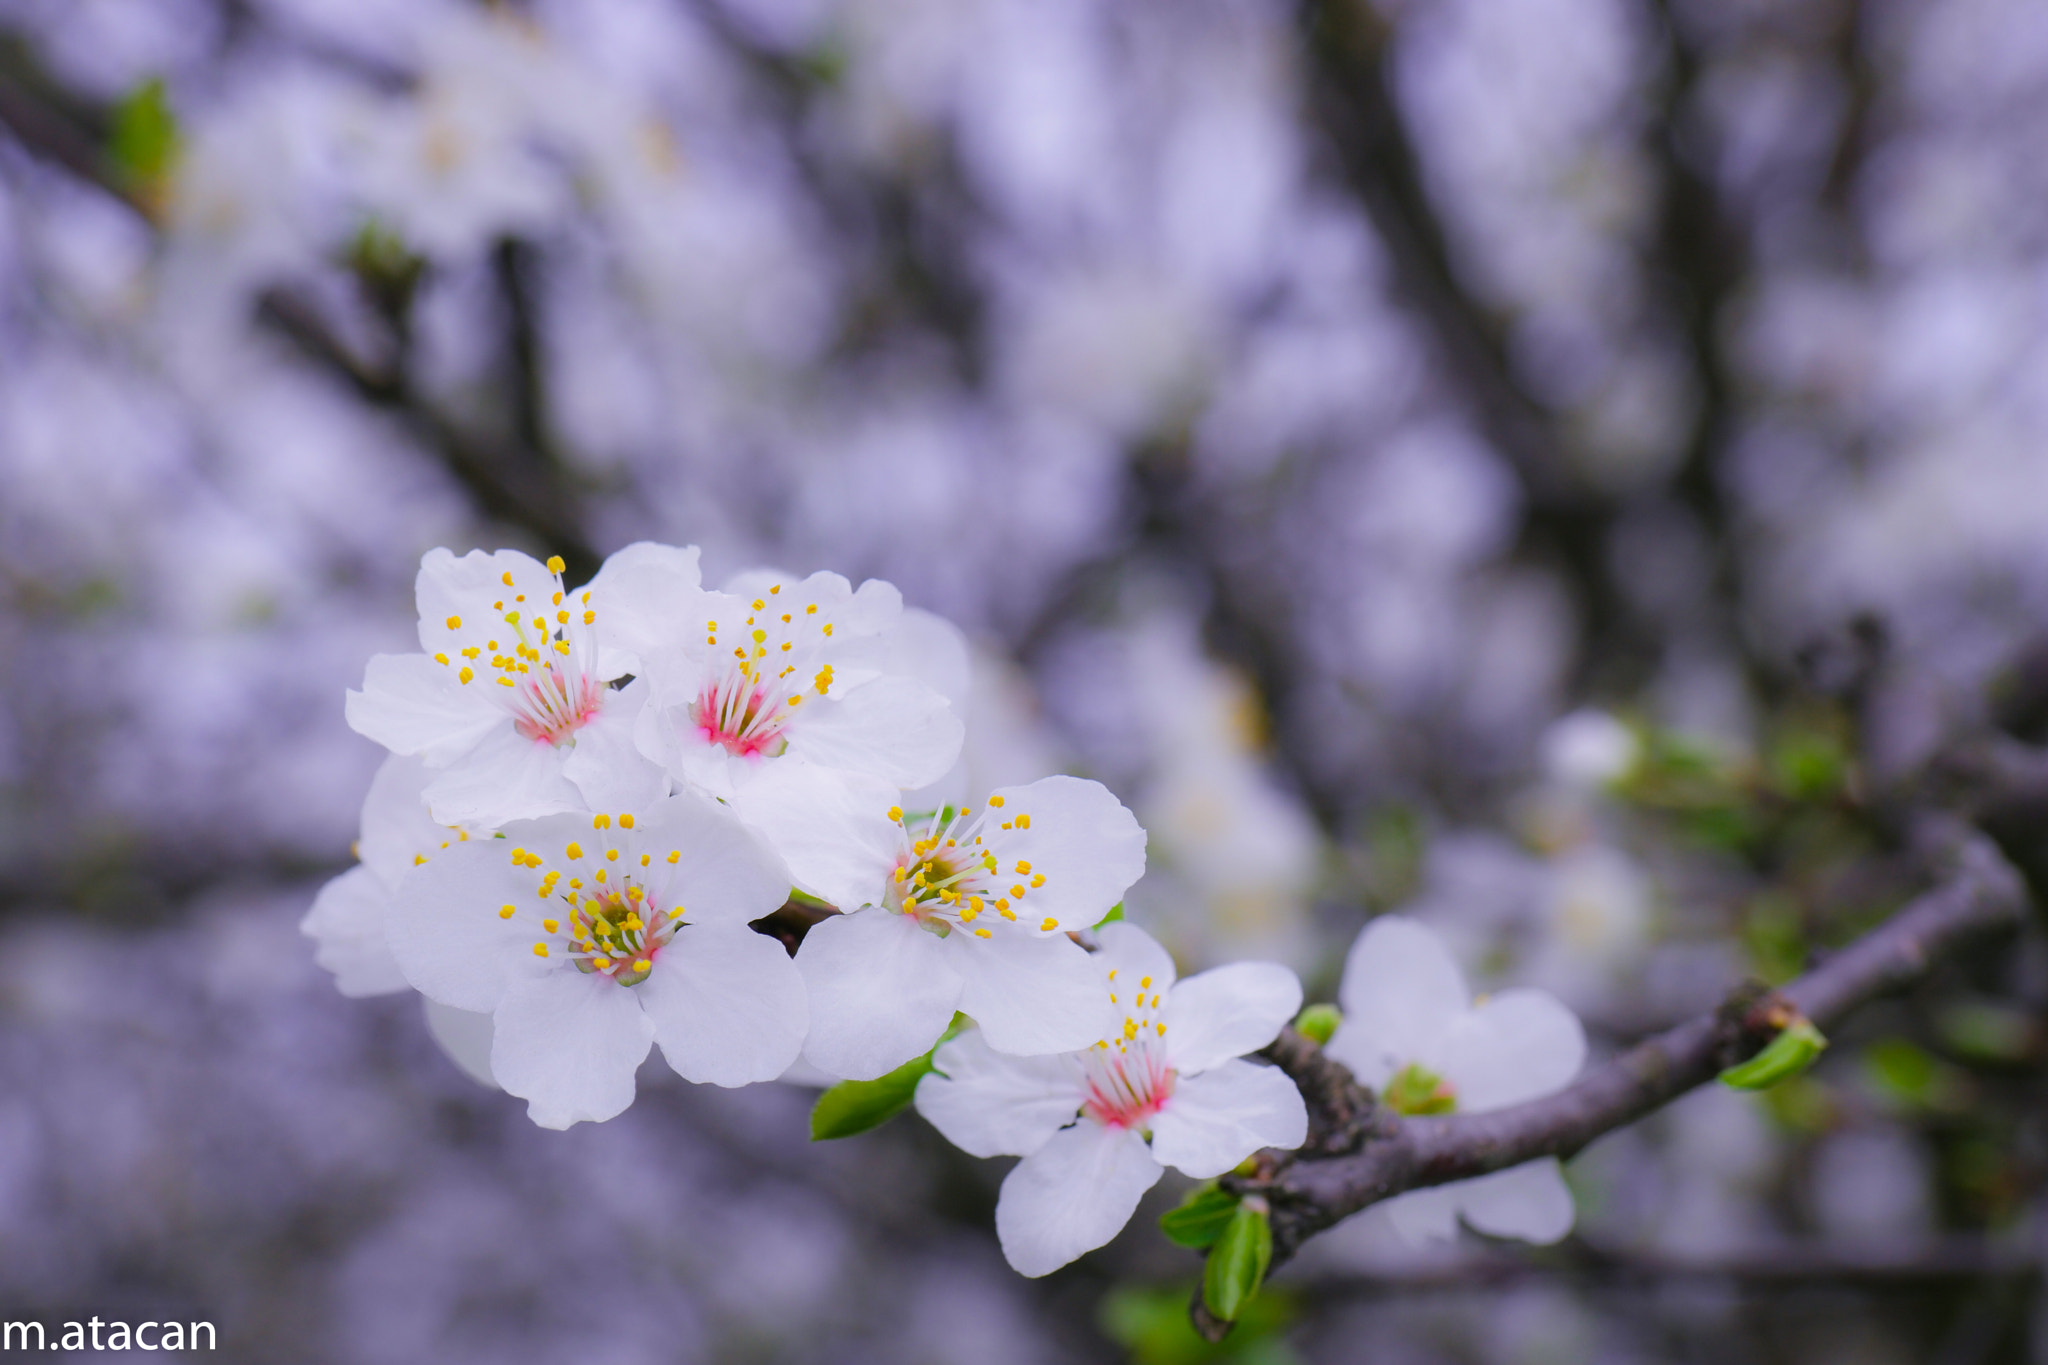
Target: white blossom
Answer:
pixel 956 910
pixel 587 938
pixel 1413 1033
pixel 1097 1127
pixel 797 678
pixel 510 697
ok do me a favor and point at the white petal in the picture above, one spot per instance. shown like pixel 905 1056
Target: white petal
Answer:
pixel 466 587
pixel 1530 1201
pixel 347 922
pixel 1031 995
pixel 989 1104
pixel 893 727
pixel 1217 1119
pixel 727 1005
pixel 724 873
pixel 1133 955
pixel 1227 1012
pixel 507 777
pixel 568 1044
pixel 445 929
pixel 1401 994
pixel 465 1036
pixel 644 597
pixel 606 767
pixel 1089 848
pixel 1424 1216
pixel 932 650
pixel 1072 1195
pixel 833 828
pixel 881 992
pixel 396 825
pixel 1515 1046
pixel 412 705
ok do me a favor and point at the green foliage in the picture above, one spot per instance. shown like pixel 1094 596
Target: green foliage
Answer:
pixel 1912 1077
pixel 1237 1262
pixel 1318 1023
pixel 1987 1032
pixel 853 1107
pixel 1809 764
pixel 143 142
pixel 1116 913
pixel 1788 1054
pixel 1775 934
pixel 1200 1218
pixel 1151 1322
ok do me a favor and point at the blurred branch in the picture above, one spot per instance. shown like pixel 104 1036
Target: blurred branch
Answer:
pixel 1366 1154
pixel 513 482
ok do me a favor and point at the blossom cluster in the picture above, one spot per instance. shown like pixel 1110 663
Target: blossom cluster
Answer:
pixel 593 793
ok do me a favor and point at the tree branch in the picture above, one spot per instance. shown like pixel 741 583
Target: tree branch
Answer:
pixel 1380 1154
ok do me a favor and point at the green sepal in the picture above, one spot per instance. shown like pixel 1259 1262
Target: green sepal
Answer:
pixel 853 1107
pixel 1116 913
pixel 1318 1023
pixel 1788 1054
pixel 1237 1262
pixel 1200 1219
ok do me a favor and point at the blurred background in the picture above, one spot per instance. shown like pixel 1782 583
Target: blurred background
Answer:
pixel 1549 467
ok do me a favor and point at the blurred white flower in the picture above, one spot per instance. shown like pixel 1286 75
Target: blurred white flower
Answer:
pixel 1413 1033
pixel 1589 749
pixel 952 910
pixel 1096 1128
pixel 635 932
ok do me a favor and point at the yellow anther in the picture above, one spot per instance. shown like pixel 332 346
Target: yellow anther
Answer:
pixel 1023 822
pixel 1023 868
pixel 540 623
pixel 588 617
pixel 574 851
pixel 556 599
pixel 776 589
pixel 675 855
pixel 967 916
pixel 828 627
pixel 625 820
pixel 1130 1029
pixel 1144 983
pixel 677 913
pixel 441 659
pixel 455 623
pixel 611 855
pixel 465 675
pixel 603 964
pixel 505 912
pixel 794 701
pixel 506 682
pixel 981 933
pixel 551 925
pixel 600 822
pixel 811 610
pixel 785 646
pixel 759 636
pixel 895 813
pixel 1017 892
pixel 561 646
pixel 506 578
pixel 1050 924
pixel 561 618
pixel 1160 1029
pixel 633 923
pixel 759 604
pixel 785 618
pixel 645 860
pixel 641 964
pixel 418 858
pixel 1003 908
pixel 600 875
pixel 996 801
pixel 555 564
pixel 540 950
pixel 1112 974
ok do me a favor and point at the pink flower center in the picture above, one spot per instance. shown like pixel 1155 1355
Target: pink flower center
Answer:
pixel 742 717
pixel 1126 1083
pixel 552 705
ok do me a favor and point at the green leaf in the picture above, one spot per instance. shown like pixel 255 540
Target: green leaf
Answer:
pixel 1788 1054
pixel 1200 1219
pixel 853 1107
pixel 1319 1023
pixel 1237 1263
pixel 1116 913
pixel 143 143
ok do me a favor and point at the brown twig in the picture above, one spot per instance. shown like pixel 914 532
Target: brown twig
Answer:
pixel 1311 1191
